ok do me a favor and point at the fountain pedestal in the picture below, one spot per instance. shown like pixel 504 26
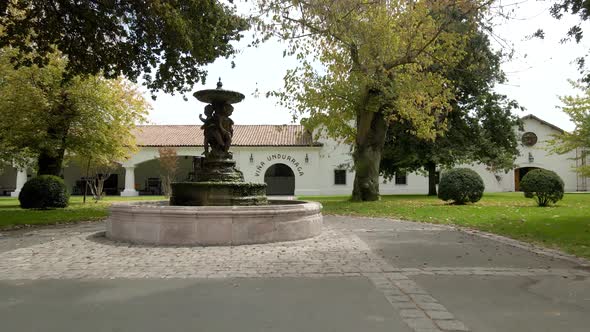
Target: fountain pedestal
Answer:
pixel 218 170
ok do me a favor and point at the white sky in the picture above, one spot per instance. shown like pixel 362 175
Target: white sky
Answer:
pixel 537 74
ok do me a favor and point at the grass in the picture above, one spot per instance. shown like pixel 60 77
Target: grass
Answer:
pixel 12 215
pixel 565 226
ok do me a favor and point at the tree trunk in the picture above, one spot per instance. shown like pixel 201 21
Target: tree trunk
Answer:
pixel 370 138
pixel 49 163
pixel 97 185
pixel 50 160
pixel 431 168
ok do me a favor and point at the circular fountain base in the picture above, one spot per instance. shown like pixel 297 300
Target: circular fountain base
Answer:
pixel 161 224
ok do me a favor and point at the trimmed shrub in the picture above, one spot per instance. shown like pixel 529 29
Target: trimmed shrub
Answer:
pixel 44 192
pixel 543 185
pixel 460 185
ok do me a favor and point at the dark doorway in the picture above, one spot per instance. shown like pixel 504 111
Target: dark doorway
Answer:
pixel 519 173
pixel 280 180
pixel 110 185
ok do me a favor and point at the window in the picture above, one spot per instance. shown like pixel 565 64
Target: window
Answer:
pixel 339 176
pixel 529 139
pixel 436 177
pixel 401 178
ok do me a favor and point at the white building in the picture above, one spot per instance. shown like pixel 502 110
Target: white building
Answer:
pixel 286 158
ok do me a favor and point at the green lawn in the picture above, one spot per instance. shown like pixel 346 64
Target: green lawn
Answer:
pixel 565 226
pixel 11 214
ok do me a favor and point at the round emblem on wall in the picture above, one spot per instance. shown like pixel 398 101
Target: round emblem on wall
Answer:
pixel 529 139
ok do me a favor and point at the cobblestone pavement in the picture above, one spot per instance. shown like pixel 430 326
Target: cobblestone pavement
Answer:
pixel 25 237
pixel 338 252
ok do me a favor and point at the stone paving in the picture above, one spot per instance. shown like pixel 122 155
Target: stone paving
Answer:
pixel 338 252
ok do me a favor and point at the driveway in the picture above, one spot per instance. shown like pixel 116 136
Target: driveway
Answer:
pixel 361 274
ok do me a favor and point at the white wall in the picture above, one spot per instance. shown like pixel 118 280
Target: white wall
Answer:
pixel 150 153
pixel 563 165
pixel 7 179
pixel 306 172
pixel 264 157
pixel 316 176
pixel 333 154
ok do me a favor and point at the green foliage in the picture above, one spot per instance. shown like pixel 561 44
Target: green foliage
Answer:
pixel 44 116
pixel 364 65
pixel 460 185
pixel 372 57
pixel 165 42
pixel 543 185
pixel 578 109
pixel 480 127
pixel 44 192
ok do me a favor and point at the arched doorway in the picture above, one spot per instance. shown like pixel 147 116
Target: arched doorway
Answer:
pixel 519 173
pixel 280 180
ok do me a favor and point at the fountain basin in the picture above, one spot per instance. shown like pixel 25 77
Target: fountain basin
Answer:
pixel 158 223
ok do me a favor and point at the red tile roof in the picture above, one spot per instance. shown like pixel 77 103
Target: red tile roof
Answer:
pixel 244 135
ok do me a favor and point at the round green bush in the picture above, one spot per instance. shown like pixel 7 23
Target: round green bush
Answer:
pixel 460 185
pixel 44 192
pixel 543 185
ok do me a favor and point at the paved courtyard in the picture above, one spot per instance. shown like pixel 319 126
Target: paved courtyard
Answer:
pixel 360 275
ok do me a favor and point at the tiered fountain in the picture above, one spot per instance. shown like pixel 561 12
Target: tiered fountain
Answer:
pixel 218 208
pixel 218 181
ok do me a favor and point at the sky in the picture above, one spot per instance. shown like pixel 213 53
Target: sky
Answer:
pixel 537 74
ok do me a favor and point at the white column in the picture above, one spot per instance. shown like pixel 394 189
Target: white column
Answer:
pixel 21 178
pixel 130 182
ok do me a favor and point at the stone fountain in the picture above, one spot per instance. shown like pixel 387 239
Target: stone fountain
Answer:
pixel 218 181
pixel 219 207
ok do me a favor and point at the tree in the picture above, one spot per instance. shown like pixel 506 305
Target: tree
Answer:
pixel 543 185
pixel 363 67
pixel 11 156
pixel 461 185
pixel 168 168
pixel 87 117
pixel 480 127
pixel 98 170
pixel 578 109
pixel 167 43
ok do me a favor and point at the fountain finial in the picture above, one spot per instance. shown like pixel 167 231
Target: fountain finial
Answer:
pixel 219 84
